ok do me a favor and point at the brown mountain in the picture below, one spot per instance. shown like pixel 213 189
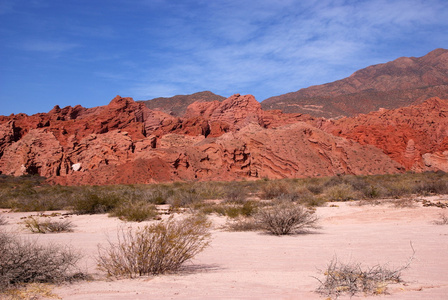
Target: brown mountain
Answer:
pixel 399 83
pixel 177 105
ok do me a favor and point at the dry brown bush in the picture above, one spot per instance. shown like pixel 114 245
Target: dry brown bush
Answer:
pixel 285 218
pixel 243 224
pixel 155 249
pixel 443 220
pixel 3 220
pixel 353 278
pixel 26 261
pixel 37 225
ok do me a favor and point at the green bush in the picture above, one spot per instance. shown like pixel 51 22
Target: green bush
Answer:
pixel 340 192
pixel 96 201
pixel 136 211
pixel 155 249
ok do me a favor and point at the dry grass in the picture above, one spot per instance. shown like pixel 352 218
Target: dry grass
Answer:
pixel 242 224
pixel 155 249
pixel 46 225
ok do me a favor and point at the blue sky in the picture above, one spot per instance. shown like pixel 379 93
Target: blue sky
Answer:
pixel 88 51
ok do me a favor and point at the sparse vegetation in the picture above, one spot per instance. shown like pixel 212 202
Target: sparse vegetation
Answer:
pixel 443 220
pixel 285 218
pixel 25 261
pixel 136 211
pixel 31 193
pixel 3 220
pixel 353 278
pixel 341 192
pixel 155 249
pixel 46 225
pixel 243 224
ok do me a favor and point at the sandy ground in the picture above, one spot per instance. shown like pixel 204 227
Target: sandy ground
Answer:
pixel 254 265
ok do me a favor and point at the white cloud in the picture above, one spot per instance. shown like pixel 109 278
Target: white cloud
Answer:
pixel 46 46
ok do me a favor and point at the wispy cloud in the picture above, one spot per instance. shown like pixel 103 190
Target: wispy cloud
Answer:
pixel 283 45
pixel 46 46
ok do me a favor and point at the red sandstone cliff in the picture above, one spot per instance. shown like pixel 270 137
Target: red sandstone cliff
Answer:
pixel 414 136
pixel 125 142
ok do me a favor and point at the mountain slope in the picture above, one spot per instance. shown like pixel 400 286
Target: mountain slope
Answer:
pixel 177 105
pixel 399 83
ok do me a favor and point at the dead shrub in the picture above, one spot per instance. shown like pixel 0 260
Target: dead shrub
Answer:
pixel 243 224
pixel 37 225
pixel 25 261
pixel 155 249
pixel 404 203
pixel 353 278
pixel 443 220
pixel 285 218
pixel 3 220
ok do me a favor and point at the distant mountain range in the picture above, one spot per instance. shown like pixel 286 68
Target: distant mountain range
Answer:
pixel 402 82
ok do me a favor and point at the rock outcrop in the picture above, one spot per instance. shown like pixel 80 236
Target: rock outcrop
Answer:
pixel 125 142
pixel 414 136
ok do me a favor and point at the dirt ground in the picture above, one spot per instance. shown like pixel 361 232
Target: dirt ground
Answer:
pixel 255 265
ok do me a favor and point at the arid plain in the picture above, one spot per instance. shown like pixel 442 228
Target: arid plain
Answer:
pixel 256 265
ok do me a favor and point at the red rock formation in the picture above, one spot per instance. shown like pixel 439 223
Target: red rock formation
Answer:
pixel 125 142
pixel 415 136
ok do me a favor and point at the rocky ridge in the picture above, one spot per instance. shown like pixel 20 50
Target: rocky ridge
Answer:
pixel 402 82
pixel 126 142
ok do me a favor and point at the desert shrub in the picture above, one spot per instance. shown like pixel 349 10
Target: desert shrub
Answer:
pixel 25 261
pixel 96 201
pixel 136 211
pixel 353 278
pixel 37 225
pixel 243 224
pixel 155 249
pixel 274 189
pixel 211 189
pixel 404 203
pixel 285 218
pixel 184 197
pixel 230 210
pixel 234 194
pixel 373 191
pixel 340 192
pixel 443 220
pixel 431 186
pixel 3 220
